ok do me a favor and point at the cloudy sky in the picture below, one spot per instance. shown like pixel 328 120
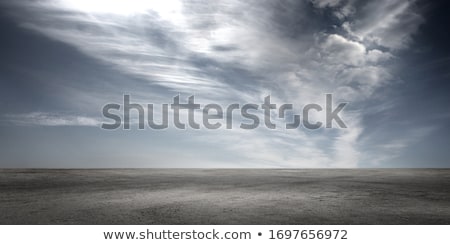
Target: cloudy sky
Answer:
pixel 63 60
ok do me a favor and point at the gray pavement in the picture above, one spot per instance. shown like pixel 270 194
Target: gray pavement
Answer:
pixel 225 196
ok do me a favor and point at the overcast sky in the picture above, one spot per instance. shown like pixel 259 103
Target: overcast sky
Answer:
pixel 62 60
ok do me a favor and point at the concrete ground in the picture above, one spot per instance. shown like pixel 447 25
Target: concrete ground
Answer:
pixel 225 196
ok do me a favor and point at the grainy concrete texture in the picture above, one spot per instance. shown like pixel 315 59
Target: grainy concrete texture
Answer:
pixel 225 196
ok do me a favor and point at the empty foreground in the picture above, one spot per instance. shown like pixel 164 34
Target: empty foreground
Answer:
pixel 222 196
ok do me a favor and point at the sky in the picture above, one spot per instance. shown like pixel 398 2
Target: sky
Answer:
pixel 62 60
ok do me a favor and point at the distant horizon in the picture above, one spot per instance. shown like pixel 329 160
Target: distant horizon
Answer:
pixel 223 168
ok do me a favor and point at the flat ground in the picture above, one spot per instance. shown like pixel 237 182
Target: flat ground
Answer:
pixel 225 196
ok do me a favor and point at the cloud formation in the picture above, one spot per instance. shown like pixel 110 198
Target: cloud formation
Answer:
pixel 47 119
pixel 241 51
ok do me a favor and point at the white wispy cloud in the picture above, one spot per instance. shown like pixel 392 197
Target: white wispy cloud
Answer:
pixel 52 119
pixel 226 51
